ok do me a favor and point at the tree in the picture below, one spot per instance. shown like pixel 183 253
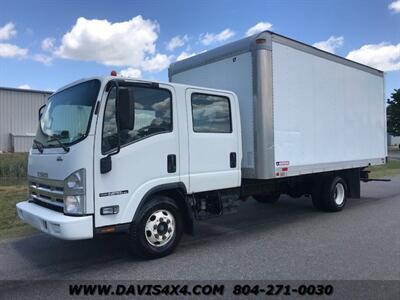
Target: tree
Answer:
pixel 393 113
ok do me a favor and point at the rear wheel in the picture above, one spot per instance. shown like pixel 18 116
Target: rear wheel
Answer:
pixel 158 229
pixel 332 196
pixel 267 198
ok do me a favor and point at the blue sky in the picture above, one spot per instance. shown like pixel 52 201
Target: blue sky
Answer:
pixel 46 44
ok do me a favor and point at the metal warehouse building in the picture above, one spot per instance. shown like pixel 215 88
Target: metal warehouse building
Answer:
pixel 19 117
pixel 394 140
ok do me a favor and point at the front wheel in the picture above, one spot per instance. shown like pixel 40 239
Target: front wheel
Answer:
pixel 158 229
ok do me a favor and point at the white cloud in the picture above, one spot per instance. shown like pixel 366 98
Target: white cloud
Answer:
pixel 48 44
pixel 185 55
pixel 331 44
pixel 177 42
pixel 131 72
pixel 210 38
pixel 120 44
pixel 42 58
pixel 9 50
pixel 260 26
pixel 157 63
pixel 383 56
pixel 7 31
pixel 25 87
pixel 395 6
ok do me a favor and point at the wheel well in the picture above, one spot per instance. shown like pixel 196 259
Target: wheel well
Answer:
pixel 177 192
pixel 350 176
pixel 180 197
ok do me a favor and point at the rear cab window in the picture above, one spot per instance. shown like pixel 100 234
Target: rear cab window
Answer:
pixel 211 113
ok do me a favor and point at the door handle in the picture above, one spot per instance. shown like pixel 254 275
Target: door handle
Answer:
pixel 171 163
pixel 232 159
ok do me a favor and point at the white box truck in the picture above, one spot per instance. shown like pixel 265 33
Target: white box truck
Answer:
pixel 274 116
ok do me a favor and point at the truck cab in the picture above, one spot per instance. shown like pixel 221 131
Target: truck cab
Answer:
pixel 114 154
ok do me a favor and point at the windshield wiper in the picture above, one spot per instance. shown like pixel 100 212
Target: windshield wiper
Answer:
pixel 38 145
pixel 55 138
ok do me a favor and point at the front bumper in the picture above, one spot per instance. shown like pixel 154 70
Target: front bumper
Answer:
pixel 55 223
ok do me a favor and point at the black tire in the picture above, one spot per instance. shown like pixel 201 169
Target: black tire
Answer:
pixel 332 196
pixel 267 198
pixel 140 244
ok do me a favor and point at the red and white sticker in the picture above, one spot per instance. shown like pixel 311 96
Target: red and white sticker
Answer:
pixel 282 163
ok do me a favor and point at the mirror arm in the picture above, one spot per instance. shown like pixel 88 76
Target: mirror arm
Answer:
pixel 106 162
pixel 117 119
pixel 40 111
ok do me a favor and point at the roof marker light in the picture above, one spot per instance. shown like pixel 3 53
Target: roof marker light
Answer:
pixel 113 73
pixel 260 41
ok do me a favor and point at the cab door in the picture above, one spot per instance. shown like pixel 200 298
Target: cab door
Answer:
pixel 214 140
pixel 145 157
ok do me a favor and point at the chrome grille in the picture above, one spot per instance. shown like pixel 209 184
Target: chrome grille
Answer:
pixel 46 192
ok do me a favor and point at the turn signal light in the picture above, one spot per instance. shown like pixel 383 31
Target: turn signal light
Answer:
pixel 108 229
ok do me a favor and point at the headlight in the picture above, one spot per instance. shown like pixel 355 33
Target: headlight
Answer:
pixel 74 192
pixel 74 204
pixel 75 181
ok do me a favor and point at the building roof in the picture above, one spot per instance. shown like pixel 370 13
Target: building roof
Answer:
pixel 25 90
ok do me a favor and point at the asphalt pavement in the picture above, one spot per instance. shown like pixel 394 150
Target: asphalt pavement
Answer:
pixel 289 240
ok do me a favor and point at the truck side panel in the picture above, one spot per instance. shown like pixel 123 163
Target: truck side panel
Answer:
pixel 326 115
pixel 224 74
pixel 309 111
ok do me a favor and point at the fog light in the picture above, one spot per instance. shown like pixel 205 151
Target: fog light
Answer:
pixel 109 210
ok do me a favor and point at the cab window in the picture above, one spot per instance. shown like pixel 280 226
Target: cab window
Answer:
pixel 153 115
pixel 211 113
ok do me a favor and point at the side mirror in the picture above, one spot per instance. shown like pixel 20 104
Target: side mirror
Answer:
pixel 41 109
pixel 125 109
pixel 125 113
pixel 105 164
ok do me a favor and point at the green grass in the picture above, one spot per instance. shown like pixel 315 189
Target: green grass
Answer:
pixel 10 224
pixel 13 189
pixel 13 165
pixel 390 169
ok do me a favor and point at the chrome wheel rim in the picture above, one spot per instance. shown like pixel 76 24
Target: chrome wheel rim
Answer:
pixel 160 228
pixel 339 194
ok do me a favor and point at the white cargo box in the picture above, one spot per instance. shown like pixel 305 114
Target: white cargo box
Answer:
pixel 303 110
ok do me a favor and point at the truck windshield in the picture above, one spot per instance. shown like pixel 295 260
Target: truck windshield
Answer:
pixel 67 115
